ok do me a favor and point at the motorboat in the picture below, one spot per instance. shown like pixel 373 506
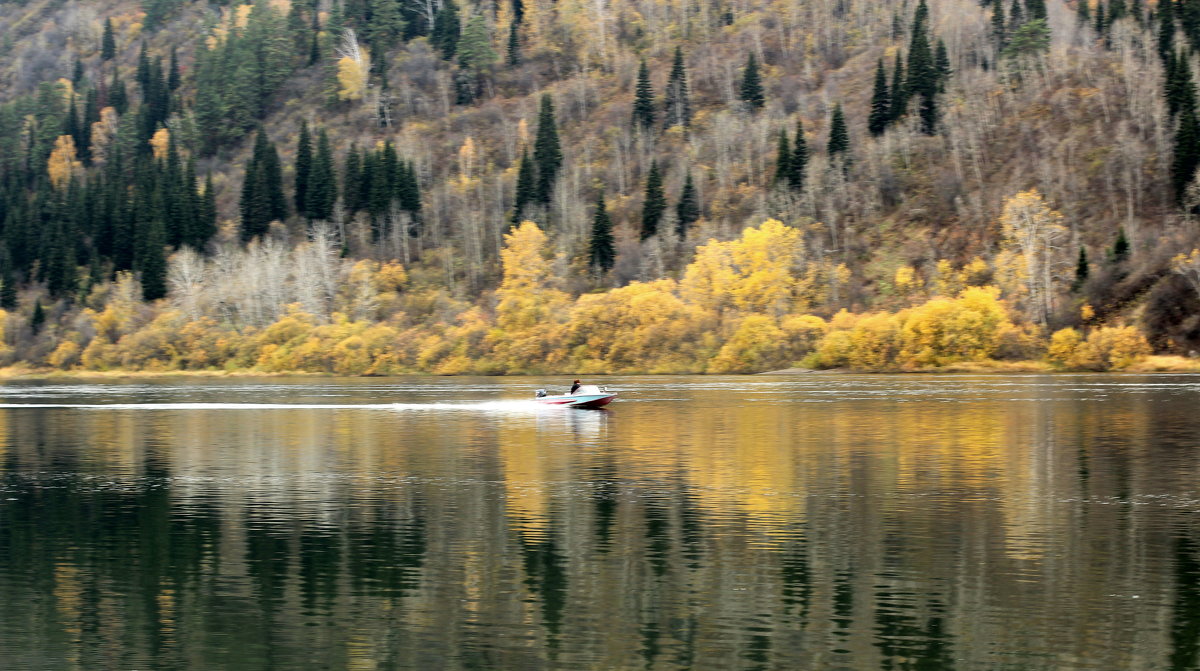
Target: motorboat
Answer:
pixel 587 396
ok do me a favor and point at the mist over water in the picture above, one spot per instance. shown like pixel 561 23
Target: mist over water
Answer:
pixel 821 521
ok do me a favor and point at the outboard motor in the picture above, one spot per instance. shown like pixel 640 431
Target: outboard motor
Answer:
pixel 539 393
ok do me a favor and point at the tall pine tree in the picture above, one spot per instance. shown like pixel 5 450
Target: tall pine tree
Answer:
pixel 654 205
pixel 321 194
pixel 643 99
pixel 304 166
pixel 108 45
pixel 751 91
pixel 687 210
pixel 526 187
pixel 881 103
pixel 677 108
pixel 799 159
pixel 547 153
pixel 601 252
pixel 839 137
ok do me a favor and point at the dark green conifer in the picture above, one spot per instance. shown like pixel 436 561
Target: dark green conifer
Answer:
pixel 512 53
pixel 547 153
pixel 1120 249
pixel 643 99
pixel 117 97
pixel 526 187
pixel 152 264
pixel 899 98
pixel 783 158
pixel 941 64
pixel 1166 32
pixel 446 30
pixel 677 107
pixel 1186 152
pixel 654 205
pixel 839 137
pixel 687 210
pixel 751 92
pixel 999 25
pixel 39 316
pixel 881 103
pixel 601 251
pixel 1081 270
pixel 77 73
pixel 322 184
pixel 351 180
pixel 799 158
pixel 108 45
pixel 304 166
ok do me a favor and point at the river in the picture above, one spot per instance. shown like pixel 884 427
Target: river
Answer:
pixel 791 522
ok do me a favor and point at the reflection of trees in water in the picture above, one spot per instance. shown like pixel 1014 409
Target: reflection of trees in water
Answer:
pixel 794 538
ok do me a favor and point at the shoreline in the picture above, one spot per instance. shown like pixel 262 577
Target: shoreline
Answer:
pixel 1152 364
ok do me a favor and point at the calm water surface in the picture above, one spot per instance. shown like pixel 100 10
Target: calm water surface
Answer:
pixel 812 522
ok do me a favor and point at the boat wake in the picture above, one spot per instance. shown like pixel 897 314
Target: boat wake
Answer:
pixel 486 406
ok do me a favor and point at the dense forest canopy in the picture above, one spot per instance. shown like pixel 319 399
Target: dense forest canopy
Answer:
pixel 341 185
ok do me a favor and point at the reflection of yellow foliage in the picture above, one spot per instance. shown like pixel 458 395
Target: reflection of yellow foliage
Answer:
pixel 62 163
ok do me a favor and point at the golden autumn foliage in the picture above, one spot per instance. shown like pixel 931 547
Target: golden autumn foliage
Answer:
pixel 1105 348
pixel 160 142
pixel 63 163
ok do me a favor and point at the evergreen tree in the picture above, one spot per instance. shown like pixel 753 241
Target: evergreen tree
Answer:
pixel 351 180
pixel 547 153
pixel 999 25
pixel 1120 249
pixel 1036 9
pixel 751 92
pixel 654 205
pixel 117 97
pixel 783 158
pixel 77 73
pixel 687 210
pixel 39 316
pixel 173 76
pixel 475 46
pixel 262 190
pixel 304 166
pixel 152 264
pixel 321 194
pixel 206 218
pixel 643 99
pixel 1083 13
pixel 1081 270
pixel 677 104
pixel 410 193
pixel 1187 151
pixel 384 27
pixel 513 51
pixel 839 137
pixel 108 45
pixel 899 100
pixel 601 251
pixel 799 159
pixel 446 29
pixel 941 64
pixel 1166 32
pixel 8 280
pixel 881 103
pixel 526 187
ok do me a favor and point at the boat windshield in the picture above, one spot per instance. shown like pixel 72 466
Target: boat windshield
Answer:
pixel 587 390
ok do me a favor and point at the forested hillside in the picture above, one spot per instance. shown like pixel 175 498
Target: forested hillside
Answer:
pixel 706 186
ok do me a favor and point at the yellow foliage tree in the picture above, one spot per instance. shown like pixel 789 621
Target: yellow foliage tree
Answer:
pixel 529 313
pixel 354 68
pixel 945 330
pixel 1106 348
pixel 63 162
pixel 754 274
pixel 160 142
pixel 1033 255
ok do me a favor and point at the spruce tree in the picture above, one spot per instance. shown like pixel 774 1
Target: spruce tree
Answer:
pixel 108 45
pixel 941 64
pixel 1186 152
pixel 1166 32
pixel 152 261
pixel 446 29
pixel 839 137
pixel 117 96
pixel 643 99
pixel 322 184
pixel 1081 270
pixel 654 205
pixel 999 25
pixel 751 92
pixel 881 103
pixel 351 180
pixel 1036 9
pixel 77 73
pixel 1120 249
pixel 601 252
pixel 513 51
pixel 526 187
pixel 783 158
pixel 547 153
pixel 39 316
pixel 475 46
pixel 677 108
pixel 207 216
pixel 687 210
pixel 899 99
pixel 799 159
pixel 304 166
